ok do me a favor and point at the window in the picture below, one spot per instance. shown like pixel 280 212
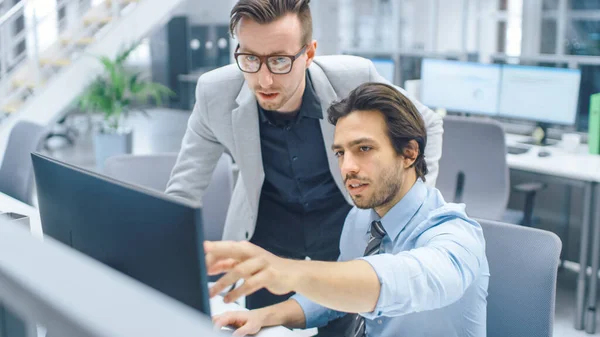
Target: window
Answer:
pixel 584 4
pixel 583 37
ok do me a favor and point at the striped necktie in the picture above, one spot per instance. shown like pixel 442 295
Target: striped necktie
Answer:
pixel 357 327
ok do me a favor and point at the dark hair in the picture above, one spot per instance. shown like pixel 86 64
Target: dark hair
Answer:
pixel 404 122
pixel 267 11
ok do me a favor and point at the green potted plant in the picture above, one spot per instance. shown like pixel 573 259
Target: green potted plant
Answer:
pixel 115 94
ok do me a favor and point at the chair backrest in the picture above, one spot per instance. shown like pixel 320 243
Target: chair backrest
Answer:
pixel 473 166
pixel 153 171
pixel 16 171
pixel 150 171
pixel 523 269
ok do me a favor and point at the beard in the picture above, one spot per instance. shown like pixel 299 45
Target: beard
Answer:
pixel 386 190
pixel 271 105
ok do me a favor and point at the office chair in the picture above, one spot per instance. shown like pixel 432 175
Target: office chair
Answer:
pixel 16 171
pixel 522 290
pixel 473 169
pixel 153 171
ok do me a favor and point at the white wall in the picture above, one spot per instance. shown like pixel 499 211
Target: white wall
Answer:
pixel 451 18
pixel 206 12
pixel 326 26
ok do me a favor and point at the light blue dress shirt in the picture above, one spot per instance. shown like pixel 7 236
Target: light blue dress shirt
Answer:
pixel 432 269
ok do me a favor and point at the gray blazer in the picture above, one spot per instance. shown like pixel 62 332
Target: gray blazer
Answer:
pixel 226 117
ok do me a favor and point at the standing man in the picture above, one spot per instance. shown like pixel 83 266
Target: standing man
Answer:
pixel 410 263
pixel 267 111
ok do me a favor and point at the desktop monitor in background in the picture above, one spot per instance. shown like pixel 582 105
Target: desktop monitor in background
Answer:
pixel 385 68
pixel 146 235
pixel 460 86
pixel 539 94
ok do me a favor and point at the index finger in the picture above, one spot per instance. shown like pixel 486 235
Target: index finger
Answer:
pixel 221 250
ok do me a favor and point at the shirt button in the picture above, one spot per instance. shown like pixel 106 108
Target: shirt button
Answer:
pixel 379 321
pixel 294 158
pixel 306 204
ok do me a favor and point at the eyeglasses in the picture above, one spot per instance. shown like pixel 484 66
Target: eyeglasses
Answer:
pixel 277 64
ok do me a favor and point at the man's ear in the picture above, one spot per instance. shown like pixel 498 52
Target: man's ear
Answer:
pixel 311 52
pixel 410 153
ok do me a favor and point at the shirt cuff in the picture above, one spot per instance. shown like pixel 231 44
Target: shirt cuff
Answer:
pixel 316 315
pixel 394 290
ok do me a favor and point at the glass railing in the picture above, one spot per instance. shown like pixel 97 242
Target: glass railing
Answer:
pixel 39 37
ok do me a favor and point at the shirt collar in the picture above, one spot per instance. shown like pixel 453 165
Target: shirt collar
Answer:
pixel 402 213
pixel 310 107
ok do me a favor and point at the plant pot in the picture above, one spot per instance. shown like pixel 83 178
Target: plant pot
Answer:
pixel 108 144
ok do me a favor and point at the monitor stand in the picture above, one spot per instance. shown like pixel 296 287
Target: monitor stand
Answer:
pixel 544 141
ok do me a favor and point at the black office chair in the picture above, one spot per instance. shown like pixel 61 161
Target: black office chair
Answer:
pixel 530 190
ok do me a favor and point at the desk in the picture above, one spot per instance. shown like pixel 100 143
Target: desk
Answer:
pixel 10 204
pixel 578 169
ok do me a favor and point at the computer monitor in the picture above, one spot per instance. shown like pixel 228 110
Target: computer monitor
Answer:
pixel 385 68
pixel 460 86
pixel 146 235
pixel 540 94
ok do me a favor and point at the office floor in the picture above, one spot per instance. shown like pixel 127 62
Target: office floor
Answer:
pixel 162 132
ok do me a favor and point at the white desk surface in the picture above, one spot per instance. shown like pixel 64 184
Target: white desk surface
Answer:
pixel 9 204
pixel 579 165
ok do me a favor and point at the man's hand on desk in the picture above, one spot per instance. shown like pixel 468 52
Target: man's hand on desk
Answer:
pixel 288 313
pixel 246 322
pixel 258 267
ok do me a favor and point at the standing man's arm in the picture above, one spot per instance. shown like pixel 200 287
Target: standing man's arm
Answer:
pixel 200 151
pixel 433 124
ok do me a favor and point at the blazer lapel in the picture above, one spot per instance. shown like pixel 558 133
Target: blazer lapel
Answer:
pixel 327 96
pixel 246 135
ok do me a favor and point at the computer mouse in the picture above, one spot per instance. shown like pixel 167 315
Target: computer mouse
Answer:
pixel 543 153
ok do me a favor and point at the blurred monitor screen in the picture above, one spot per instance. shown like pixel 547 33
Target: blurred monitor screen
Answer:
pixel 460 86
pixel 539 94
pixel 385 68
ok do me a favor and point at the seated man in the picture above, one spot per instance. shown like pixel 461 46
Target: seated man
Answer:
pixel 410 264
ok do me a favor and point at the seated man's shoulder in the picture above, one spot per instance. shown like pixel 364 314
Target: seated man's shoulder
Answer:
pixel 439 211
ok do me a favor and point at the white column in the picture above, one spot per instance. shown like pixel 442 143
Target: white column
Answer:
pixel 432 44
pixel 532 27
pixel 487 41
pixel 561 26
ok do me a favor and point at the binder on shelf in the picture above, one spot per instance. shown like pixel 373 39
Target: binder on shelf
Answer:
pixel 594 124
